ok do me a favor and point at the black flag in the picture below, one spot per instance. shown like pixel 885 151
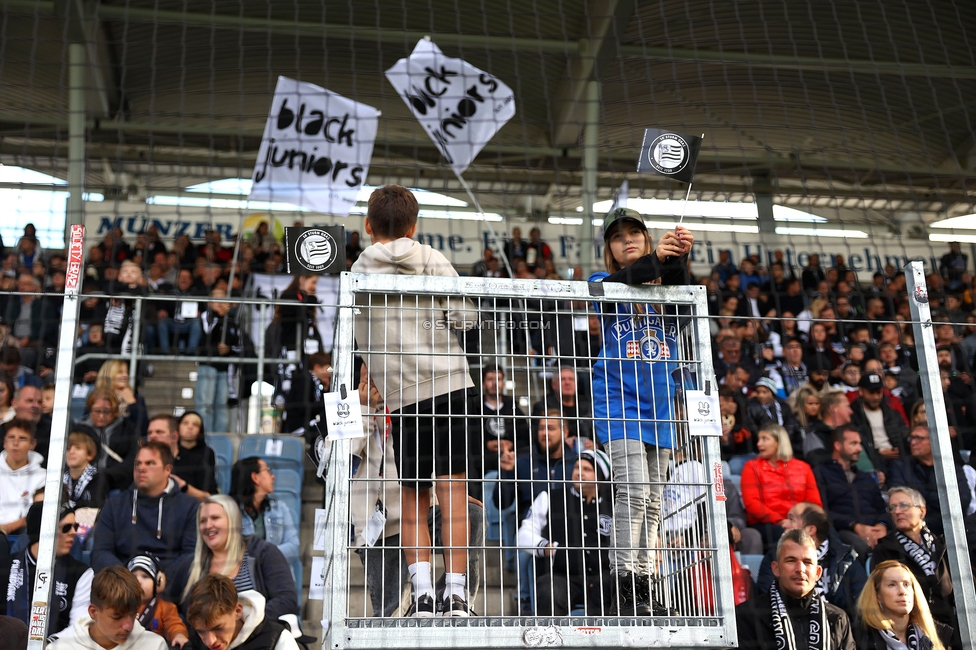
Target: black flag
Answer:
pixel 315 250
pixel 668 153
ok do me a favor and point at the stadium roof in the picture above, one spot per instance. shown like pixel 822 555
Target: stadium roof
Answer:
pixel 863 105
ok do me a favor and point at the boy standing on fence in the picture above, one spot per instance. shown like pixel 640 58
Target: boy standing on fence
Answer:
pixel 414 357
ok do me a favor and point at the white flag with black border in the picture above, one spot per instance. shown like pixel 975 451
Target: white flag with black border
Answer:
pixel 460 106
pixel 316 149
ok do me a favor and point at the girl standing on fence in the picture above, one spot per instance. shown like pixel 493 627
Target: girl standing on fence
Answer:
pixel 633 396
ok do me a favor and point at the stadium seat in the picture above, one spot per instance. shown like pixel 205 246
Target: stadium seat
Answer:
pixel 288 481
pixel 752 562
pixel 735 480
pixel 223 449
pixel 279 452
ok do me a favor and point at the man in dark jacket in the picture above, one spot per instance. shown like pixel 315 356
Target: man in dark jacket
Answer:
pixel 31 319
pixel 835 411
pixel 918 471
pixel 793 613
pixel 155 517
pixel 576 413
pixel 882 428
pixel 843 575
pixel 766 408
pixel 852 497
pixel 72 578
pixel 222 339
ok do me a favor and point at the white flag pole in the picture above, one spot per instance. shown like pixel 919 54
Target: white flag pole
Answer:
pixel 684 205
pixel 491 229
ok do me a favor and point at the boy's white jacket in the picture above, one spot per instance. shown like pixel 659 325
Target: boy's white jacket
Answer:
pixel 77 636
pixel 408 342
pixel 18 486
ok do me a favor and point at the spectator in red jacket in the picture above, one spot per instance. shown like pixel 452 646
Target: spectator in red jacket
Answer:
pixel 774 483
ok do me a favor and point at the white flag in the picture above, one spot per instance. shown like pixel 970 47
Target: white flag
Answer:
pixel 316 149
pixel 460 106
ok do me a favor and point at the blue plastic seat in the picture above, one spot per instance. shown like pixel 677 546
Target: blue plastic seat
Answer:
pixel 288 481
pixel 279 452
pixel 223 449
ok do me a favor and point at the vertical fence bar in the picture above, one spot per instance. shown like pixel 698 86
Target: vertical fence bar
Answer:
pixel 136 333
pixel 262 334
pixel 44 580
pixel 945 475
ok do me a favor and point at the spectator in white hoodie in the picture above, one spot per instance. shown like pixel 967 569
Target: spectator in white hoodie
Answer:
pixel 116 600
pixel 21 478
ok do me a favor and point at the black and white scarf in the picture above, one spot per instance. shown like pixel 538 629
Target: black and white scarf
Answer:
pixel 818 635
pixel 914 638
pixel 778 418
pixel 823 585
pixel 920 554
pixel 76 490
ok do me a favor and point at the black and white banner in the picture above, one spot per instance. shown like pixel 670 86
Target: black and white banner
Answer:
pixel 460 106
pixel 316 149
pixel 668 153
pixel 320 249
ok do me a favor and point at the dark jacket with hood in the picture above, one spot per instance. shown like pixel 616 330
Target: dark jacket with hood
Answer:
pixel 269 570
pixel 846 576
pixel 130 523
pixel 849 503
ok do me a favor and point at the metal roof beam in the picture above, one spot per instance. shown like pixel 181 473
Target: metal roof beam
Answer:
pixel 509 43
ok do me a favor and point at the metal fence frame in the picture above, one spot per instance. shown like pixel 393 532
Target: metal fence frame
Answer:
pixel 341 632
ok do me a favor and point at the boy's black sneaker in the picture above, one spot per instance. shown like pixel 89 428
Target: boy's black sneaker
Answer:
pixel 455 606
pixel 422 607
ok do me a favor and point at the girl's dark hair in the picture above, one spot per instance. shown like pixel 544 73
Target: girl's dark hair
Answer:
pixel 9 383
pixel 202 436
pixel 241 485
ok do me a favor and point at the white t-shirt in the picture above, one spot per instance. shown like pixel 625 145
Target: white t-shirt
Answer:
pixel 876 420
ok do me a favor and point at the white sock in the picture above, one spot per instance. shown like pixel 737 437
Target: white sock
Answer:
pixel 454 584
pixel 420 577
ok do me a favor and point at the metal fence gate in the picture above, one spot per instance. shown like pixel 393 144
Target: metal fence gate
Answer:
pixel 423 336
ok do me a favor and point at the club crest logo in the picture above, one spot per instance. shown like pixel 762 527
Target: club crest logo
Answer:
pixel 654 349
pixel 315 249
pixel 606 525
pixel 668 154
pixel 921 294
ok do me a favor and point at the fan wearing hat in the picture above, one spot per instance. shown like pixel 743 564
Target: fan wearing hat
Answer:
pixel 569 529
pixel 632 421
pixel 157 615
pixel 765 408
pixel 72 578
pixel 883 430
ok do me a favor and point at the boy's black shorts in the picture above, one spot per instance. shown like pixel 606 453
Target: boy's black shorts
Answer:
pixel 430 439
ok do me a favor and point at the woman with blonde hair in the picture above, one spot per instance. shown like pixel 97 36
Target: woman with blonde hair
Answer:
pixel 251 563
pixel 114 376
pixel 774 483
pixel 894 614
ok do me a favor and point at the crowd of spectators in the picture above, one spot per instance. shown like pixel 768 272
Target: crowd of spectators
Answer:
pixel 822 419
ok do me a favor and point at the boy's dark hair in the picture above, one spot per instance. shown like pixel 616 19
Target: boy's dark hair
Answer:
pixel 392 211
pixel 814 515
pixel 165 453
pixel 490 369
pixel 321 359
pixel 170 420
pixel 212 597
pixel 22 424
pixel 726 392
pixel 117 589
